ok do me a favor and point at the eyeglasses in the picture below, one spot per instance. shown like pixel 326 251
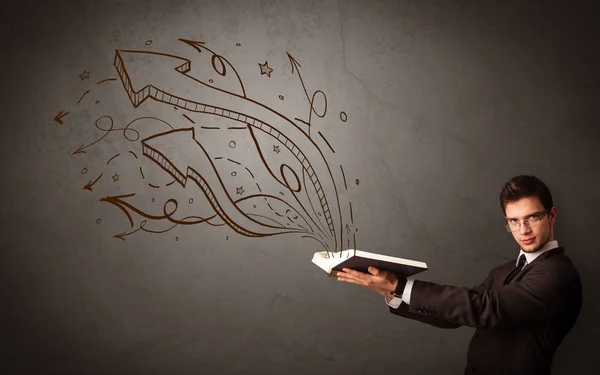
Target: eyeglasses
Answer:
pixel 531 222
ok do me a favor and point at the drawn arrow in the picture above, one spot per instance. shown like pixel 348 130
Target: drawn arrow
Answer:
pixel 180 155
pixel 122 236
pixel 79 150
pixel 89 185
pixel 164 78
pixel 311 100
pixel 59 116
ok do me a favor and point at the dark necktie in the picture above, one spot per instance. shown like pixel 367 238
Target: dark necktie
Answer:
pixel 514 272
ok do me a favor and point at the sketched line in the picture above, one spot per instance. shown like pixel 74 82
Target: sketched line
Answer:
pixel 218 157
pixel 299 215
pixel 170 183
pixel 112 158
pixel 89 185
pixel 192 121
pixel 249 172
pixel 268 218
pixel 320 224
pixel 344 176
pixel 354 235
pixel 123 205
pixel 133 153
pixel 104 80
pixel 142 172
pixel 238 127
pixel 153 186
pixel 258 186
pixel 82 96
pixel 233 161
pixel 326 141
pixel 210 127
pixel 351 215
pixel 316 239
pixel 81 149
pixel 196 46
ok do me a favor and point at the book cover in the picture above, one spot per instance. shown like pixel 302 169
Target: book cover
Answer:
pixel 361 260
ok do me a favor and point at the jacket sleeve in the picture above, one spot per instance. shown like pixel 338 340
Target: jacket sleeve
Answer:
pixel 404 311
pixel 539 295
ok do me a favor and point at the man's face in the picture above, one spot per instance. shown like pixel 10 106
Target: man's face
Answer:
pixel 541 234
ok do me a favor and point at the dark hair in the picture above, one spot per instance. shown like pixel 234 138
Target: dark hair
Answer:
pixel 525 186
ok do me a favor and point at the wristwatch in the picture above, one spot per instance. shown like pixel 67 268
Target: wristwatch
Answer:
pixel 399 291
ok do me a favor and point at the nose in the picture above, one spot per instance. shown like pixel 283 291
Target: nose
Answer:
pixel 524 228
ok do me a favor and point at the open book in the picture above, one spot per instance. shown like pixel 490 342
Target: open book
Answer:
pixel 361 260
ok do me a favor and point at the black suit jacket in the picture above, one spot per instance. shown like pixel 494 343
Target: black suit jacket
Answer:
pixel 519 326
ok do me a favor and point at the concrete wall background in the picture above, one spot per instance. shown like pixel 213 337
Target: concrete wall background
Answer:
pixel 445 101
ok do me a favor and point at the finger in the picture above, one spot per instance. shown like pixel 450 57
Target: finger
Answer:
pixel 374 271
pixel 356 273
pixel 352 280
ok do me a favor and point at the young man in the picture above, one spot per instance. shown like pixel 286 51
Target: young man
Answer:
pixel 524 308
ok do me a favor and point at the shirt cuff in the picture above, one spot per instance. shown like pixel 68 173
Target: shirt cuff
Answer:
pixel 394 302
pixel 403 289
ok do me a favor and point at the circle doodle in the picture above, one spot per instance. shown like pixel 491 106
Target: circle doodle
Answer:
pixel 234 173
pixel 84 171
pixel 343 116
pixel 232 144
pixel 98 221
pixel 148 42
pixel 281 97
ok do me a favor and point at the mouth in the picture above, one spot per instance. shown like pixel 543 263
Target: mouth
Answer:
pixel 528 241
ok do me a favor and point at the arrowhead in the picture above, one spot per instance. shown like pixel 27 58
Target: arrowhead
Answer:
pixel 121 235
pixel 193 43
pixel 59 116
pixel 141 70
pixel 88 186
pixel 79 150
pixel 294 62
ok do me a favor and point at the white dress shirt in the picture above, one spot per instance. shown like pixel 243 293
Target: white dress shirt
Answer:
pixel 529 257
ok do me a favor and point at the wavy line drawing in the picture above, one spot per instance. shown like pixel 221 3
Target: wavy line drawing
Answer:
pixel 315 189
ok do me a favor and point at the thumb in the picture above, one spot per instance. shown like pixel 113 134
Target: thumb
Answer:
pixel 374 271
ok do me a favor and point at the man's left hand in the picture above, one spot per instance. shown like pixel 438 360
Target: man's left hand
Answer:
pixel 381 281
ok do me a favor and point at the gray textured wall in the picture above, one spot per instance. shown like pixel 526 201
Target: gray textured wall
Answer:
pixel 445 101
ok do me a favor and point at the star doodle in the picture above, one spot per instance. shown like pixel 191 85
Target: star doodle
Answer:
pixel 115 177
pixel 84 75
pixel 276 149
pixel 264 69
pixel 239 190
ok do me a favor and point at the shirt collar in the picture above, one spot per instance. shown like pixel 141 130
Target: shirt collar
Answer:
pixel 530 257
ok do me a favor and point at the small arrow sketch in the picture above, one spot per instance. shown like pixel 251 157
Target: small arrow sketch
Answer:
pixel 59 116
pixel 89 185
